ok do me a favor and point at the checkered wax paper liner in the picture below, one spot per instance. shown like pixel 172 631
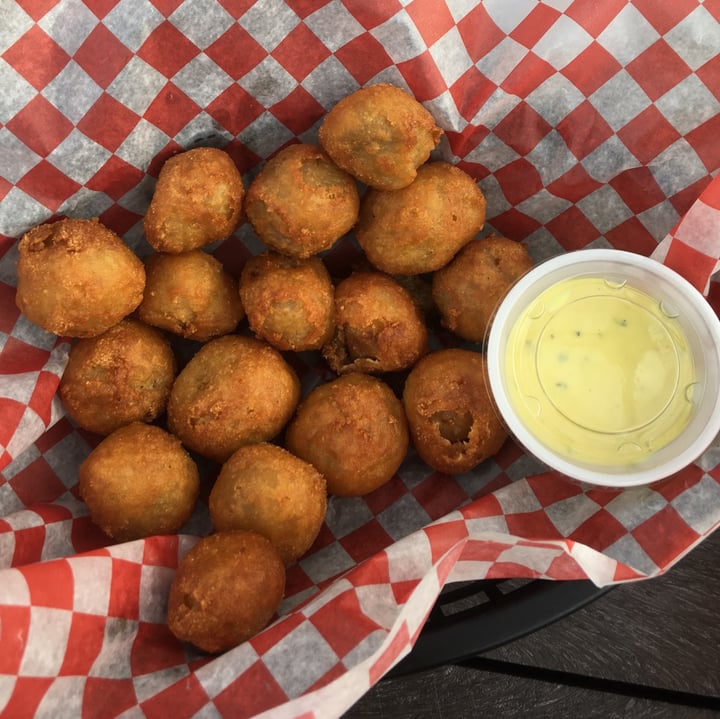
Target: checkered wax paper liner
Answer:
pixel 585 124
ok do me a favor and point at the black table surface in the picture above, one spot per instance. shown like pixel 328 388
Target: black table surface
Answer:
pixel 644 649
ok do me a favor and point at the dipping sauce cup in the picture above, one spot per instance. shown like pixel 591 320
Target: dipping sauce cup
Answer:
pixel 605 365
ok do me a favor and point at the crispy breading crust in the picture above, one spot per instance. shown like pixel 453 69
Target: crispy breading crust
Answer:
pixel 235 391
pixel 226 589
pixel 468 290
pixel 380 134
pixel 190 294
pixel 301 203
pixel 197 200
pixel 288 301
pixel 265 488
pixel 452 419
pixel 139 481
pixel 123 375
pixel 353 430
pixel 77 278
pixel 379 328
pixel 421 227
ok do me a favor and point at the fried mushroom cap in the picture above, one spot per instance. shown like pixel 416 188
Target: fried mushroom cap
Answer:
pixel 468 290
pixel 421 227
pixel 265 488
pixel 77 278
pixel 235 391
pixel 123 375
pixel 197 200
pixel 301 203
pixel 138 482
pixel 380 134
pixel 378 326
pixel 191 295
pixel 288 301
pixel 353 431
pixel 452 419
pixel 226 589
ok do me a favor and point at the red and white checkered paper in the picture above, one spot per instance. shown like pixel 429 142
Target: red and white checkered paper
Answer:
pixel 585 124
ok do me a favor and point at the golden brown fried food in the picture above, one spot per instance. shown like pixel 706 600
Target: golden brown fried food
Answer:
pixel 380 134
pixel 452 419
pixel 288 301
pixel 226 589
pixel 235 391
pixel 139 481
pixel 421 227
pixel 378 326
pixel 267 489
pixel 123 375
pixel 468 290
pixel 420 289
pixel 301 203
pixel 197 200
pixel 77 278
pixel 190 294
pixel 353 431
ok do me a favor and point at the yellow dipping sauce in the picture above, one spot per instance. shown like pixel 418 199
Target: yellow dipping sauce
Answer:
pixel 600 372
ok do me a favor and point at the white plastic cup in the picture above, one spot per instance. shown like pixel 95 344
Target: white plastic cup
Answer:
pixel 699 324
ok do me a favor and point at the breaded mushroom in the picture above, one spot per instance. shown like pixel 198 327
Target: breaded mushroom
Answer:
pixel 191 295
pixel 265 488
pixel 123 375
pixel 378 326
pixel 288 301
pixel 421 227
pixel 77 278
pixel 197 200
pixel 453 422
pixel 468 290
pixel 138 482
pixel 235 391
pixel 353 431
pixel 226 589
pixel 380 134
pixel 301 203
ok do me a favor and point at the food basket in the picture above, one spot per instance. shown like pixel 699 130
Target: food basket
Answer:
pixel 585 124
